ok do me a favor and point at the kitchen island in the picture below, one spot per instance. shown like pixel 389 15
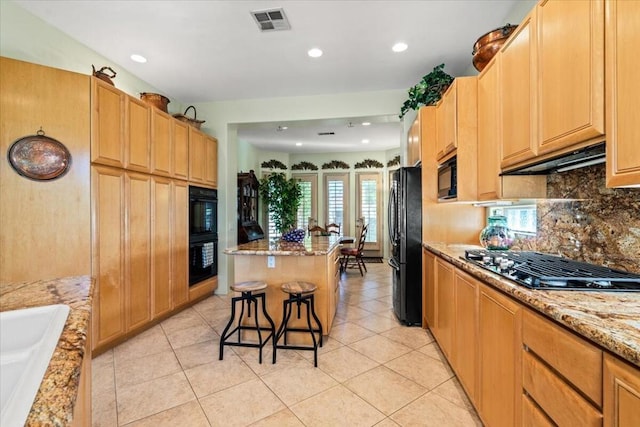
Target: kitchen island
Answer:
pixel 315 260
pixel 64 397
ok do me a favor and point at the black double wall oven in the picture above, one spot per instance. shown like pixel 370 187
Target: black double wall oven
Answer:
pixel 203 234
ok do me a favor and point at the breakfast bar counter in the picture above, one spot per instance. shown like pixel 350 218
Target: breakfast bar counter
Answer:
pixel 64 397
pixel 315 260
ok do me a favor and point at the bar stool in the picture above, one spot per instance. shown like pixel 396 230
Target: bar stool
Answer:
pixel 299 293
pixel 247 290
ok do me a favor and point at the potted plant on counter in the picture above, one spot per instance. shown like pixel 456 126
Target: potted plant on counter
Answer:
pixel 428 91
pixel 282 196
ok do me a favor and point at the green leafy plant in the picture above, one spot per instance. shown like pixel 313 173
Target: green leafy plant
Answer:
pixel 428 91
pixel 282 196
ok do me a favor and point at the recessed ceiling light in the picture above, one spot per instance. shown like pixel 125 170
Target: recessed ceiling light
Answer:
pixel 366 123
pixel 399 47
pixel 138 58
pixel 314 53
pixel 298 144
pixel 365 141
pixel 284 127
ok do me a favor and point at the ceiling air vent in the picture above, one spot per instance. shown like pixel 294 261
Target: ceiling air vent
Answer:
pixel 326 133
pixel 271 20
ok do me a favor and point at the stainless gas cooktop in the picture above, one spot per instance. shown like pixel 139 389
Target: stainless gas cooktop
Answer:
pixel 536 270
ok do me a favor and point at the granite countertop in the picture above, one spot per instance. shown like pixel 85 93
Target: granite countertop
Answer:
pixel 609 319
pixel 58 391
pixel 310 246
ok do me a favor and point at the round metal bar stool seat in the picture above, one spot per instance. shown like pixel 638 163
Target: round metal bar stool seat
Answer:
pixel 299 293
pixel 253 286
pixel 251 293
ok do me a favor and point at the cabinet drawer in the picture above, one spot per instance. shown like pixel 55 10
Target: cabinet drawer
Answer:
pixel 556 398
pixel 574 358
pixel 532 415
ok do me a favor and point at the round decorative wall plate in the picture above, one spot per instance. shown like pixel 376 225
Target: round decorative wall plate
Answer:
pixel 39 157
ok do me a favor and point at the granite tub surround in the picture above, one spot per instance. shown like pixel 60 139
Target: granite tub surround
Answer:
pixel 608 319
pixel 56 398
pixel 591 223
pixel 310 246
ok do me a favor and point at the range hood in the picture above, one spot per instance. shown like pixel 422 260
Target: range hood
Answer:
pixel 588 156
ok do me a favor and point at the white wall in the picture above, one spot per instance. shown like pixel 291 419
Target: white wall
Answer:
pixel 26 37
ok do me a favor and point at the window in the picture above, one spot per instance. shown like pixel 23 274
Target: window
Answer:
pixel 307 208
pixel 370 206
pixel 520 218
pixel 337 200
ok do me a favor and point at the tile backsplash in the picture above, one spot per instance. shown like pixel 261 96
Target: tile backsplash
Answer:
pixel 585 221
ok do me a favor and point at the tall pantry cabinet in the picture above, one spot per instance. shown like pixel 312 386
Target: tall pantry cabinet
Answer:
pixel 141 160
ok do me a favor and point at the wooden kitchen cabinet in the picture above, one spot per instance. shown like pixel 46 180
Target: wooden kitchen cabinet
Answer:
pixel 203 158
pixel 180 244
pixel 444 316
pixel 161 209
pixel 621 393
pixel 197 153
pixel 623 91
pixel 162 144
pixel 82 406
pixel 465 342
pixel 137 249
pixel 561 373
pixel 428 289
pixel 107 124
pixel 108 253
pixel 489 132
pixel 333 283
pixel 517 85
pixel 457 133
pixel 499 358
pixel 137 135
pixel 413 142
pixel 211 161
pixel 120 129
pixel 494 120
pixel 570 73
pixel 180 138
pixel 446 128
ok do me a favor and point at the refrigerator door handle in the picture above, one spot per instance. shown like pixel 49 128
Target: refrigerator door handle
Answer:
pixel 394 264
pixel 392 222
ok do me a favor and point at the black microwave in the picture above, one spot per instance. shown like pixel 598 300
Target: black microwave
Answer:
pixel 448 180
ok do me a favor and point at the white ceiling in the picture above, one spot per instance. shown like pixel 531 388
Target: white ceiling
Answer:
pixel 201 51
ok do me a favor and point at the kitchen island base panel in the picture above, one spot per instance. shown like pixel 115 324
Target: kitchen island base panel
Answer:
pixel 290 269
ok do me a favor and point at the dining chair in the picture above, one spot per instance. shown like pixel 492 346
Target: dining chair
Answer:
pixel 355 252
pixel 313 228
pixel 332 228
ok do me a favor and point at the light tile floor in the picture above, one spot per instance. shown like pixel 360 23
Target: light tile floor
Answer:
pixel 371 371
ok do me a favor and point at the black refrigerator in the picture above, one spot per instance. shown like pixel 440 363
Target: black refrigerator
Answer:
pixel 405 235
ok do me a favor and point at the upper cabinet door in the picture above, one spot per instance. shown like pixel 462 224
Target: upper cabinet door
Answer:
pixel 517 89
pixel 211 161
pixel 180 137
pixel 489 132
pixel 138 140
pixel 446 124
pixel 623 92
pixel 570 73
pixel 161 149
pixel 107 124
pixel 197 153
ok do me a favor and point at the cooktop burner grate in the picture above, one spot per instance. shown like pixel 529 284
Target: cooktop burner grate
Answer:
pixel 543 271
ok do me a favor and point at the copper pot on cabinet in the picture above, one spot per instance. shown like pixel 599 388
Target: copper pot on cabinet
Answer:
pixel 489 44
